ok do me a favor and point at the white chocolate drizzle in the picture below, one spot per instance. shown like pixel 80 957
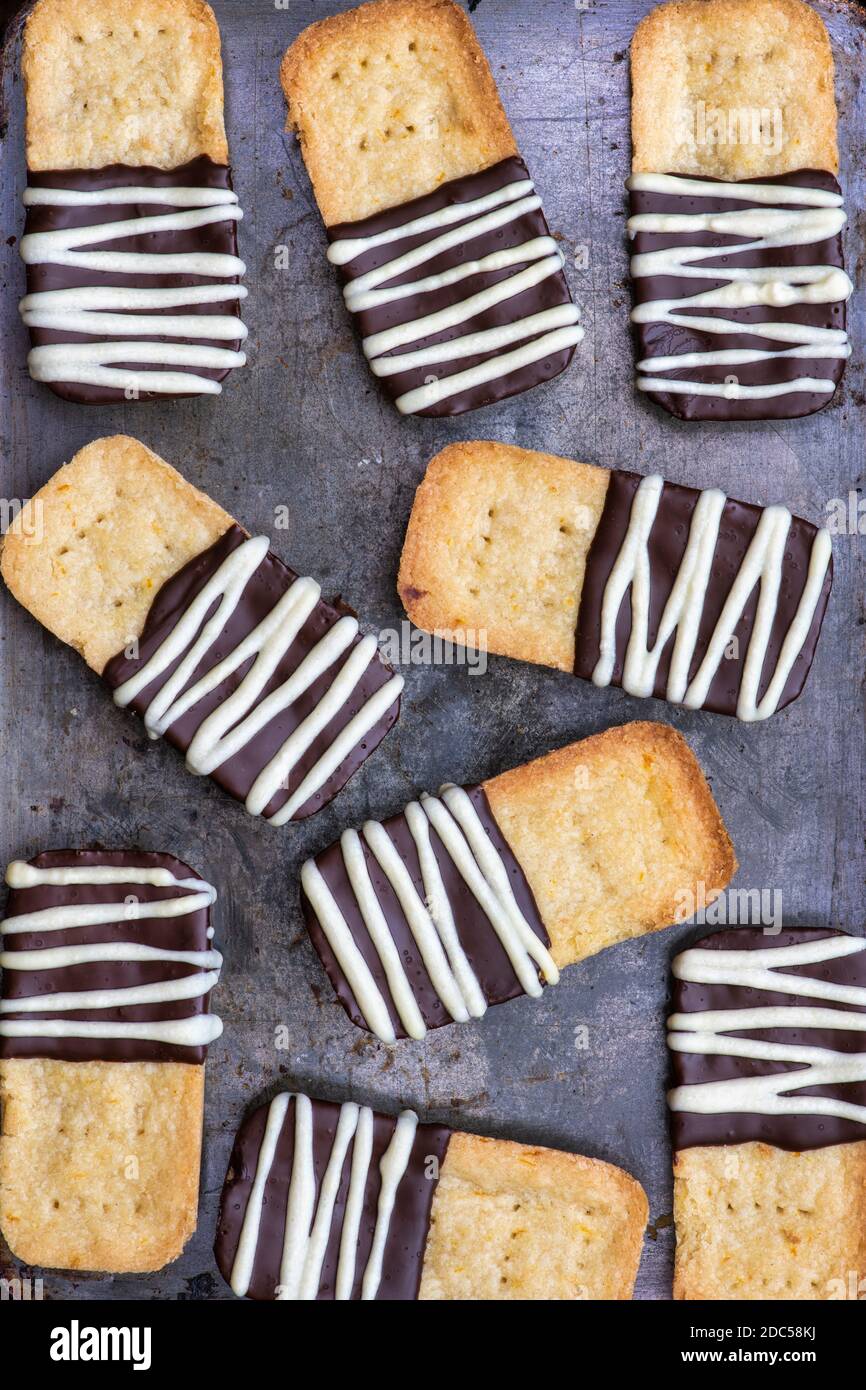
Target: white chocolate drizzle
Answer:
pixel 120 313
pixel 195 1031
pixel 707 1032
pixel 817 216
pixel 244 714
pixel 309 1222
pixel 762 564
pixel 532 261
pixel 430 918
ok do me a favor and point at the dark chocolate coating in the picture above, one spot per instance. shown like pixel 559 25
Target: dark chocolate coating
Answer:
pixel 667 544
pixel 551 291
pixel 265 588
pixel 665 340
pixel 482 946
pixel 410 1221
pixel 794 1132
pixel 215 238
pixel 187 933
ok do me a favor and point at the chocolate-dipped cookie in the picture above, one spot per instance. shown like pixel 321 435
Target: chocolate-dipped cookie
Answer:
pixel 767 1036
pixel 336 1202
pixel 736 213
pixel 202 630
pixel 482 894
pixel 130 239
pixel 108 967
pixel 664 590
pixel 450 270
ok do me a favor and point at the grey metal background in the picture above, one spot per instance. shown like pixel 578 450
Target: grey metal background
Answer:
pixel 304 426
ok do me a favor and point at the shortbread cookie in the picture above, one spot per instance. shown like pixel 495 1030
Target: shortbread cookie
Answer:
pixel 130 238
pixel 758 1222
pixel 123 559
pixel 431 214
pixel 108 966
pixel 661 589
pixel 326 1201
pixel 483 893
pixel 768 1115
pixel 695 61
pixel 736 213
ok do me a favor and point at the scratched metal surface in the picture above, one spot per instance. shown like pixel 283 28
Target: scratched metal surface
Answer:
pixel 304 427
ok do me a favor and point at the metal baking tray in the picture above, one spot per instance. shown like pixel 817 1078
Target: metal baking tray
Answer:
pixel 304 427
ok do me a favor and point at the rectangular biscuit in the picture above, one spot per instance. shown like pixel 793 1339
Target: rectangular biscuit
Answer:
pixel 108 969
pixel 88 554
pixel 112 554
pixel 757 1222
pixel 732 55
pixel 539 558
pixel 610 832
pixel 416 1211
pixel 99 1162
pixel 130 241
pixel 768 1115
pixel 390 100
pixel 512 1221
pixel 736 213
pixel 496 546
pixel 427 201
pixel 138 83
pixel 473 897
